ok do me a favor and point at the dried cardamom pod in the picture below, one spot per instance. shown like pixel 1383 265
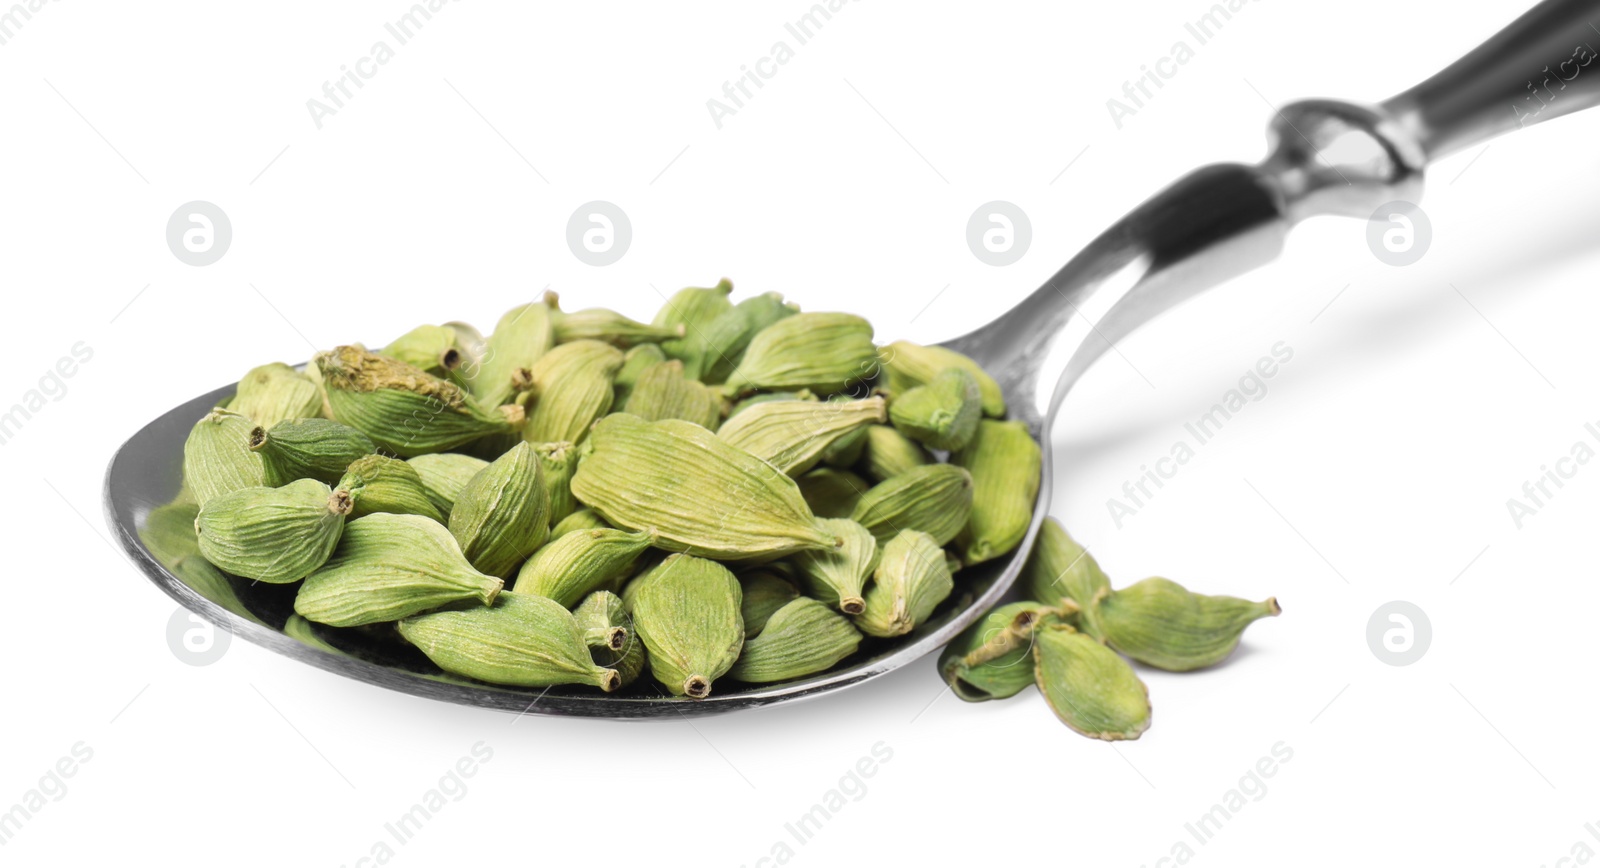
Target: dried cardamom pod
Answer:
pixel 911 580
pixel 634 363
pixel 273 393
pixel 275 535
pixel 735 330
pixel 701 495
pixel 943 412
pixel 1088 686
pixel 908 365
pixel 832 493
pixel 379 483
pixel 687 612
pixel 573 566
pixel 763 310
pixel 402 409
pixel 837 576
pixel 802 638
pixel 888 453
pixel 560 461
pixel 763 592
pixel 583 519
pixel 791 435
pixel 317 449
pixel 522 337
pixel 760 398
pixel 1059 569
pixel 993 659
pixel 605 620
pixel 1159 623
pixel 712 326
pixel 429 348
pixel 502 515
pixel 520 640
pixel 387 567
pixel 608 326
pixel 217 457
pixel 443 475
pixel 823 352
pixel 574 385
pixel 935 499
pixel 662 392
pixel 1005 463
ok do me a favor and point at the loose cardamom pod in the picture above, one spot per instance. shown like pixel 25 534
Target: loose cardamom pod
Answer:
pixel 429 348
pixel 1004 460
pixel 993 659
pixel 634 363
pixel 935 499
pixel 701 495
pixel 273 393
pixel 791 435
pixel 444 474
pixel 912 579
pixel 832 493
pixel 943 412
pixel 608 326
pixel 1060 569
pixel 604 620
pixel 712 326
pixel 560 462
pixel 275 535
pixel 1088 686
pixel 583 519
pixel 522 337
pixel 1159 623
pixel 379 483
pixel 402 409
pixel 662 392
pixel 525 641
pixel 763 593
pixel 837 576
pixel 888 453
pixel 502 515
pixel 823 352
pixel 687 612
pixel 574 385
pixel 908 365
pixel 217 457
pixel 317 449
pixel 802 638
pixel 387 567
pixel 573 566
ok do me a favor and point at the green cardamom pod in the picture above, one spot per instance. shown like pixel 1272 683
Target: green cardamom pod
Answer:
pixel 943 413
pixel 1005 462
pixel 502 515
pixel 823 352
pixel 524 641
pixel 522 337
pixel 763 593
pixel 387 567
pixel 734 331
pixel 1060 569
pixel 429 348
pixel 802 638
pixel 608 326
pixel 1088 686
pixel 1159 623
pixel 701 495
pixel 573 566
pixel 602 615
pixel 760 398
pixel 686 610
pixel 662 392
pixel 993 659
pixel 217 457
pixel 274 535
pixel 634 363
pixel 791 435
pixel 560 462
pixel 832 493
pixel 443 475
pixel 273 393
pixel 935 499
pixel 908 365
pixel 317 449
pixel 888 453
pixel 712 325
pixel 574 386
pixel 379 483
pixel 837 576
pixel 761 311
pixel 582 519
pixel 404 410
pixel 911 580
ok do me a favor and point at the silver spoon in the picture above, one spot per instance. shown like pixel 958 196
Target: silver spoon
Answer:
pixel 1325 157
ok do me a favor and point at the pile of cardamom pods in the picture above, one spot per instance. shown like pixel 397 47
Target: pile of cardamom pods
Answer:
pixel 733 490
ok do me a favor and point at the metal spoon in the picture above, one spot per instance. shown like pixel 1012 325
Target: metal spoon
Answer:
pixel 1221 221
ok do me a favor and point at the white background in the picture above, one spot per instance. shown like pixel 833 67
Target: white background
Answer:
pixel 1377 467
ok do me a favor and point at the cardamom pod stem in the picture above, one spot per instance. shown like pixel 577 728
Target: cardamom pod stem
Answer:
pixel 608 326
pixel 603 613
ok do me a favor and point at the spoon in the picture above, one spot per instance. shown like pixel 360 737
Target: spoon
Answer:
pixel 1325 157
